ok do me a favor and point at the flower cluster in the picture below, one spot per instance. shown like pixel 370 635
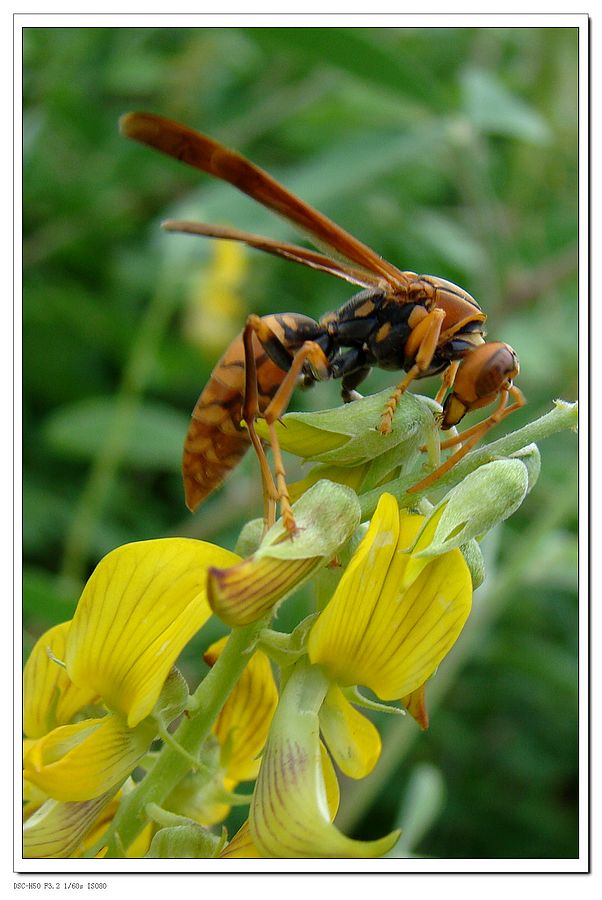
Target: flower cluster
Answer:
pixel 120 759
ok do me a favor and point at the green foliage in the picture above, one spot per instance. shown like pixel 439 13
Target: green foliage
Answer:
pixel 451 151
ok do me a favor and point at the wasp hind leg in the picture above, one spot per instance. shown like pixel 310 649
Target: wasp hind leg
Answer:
pixel 309 352
pixel 250 413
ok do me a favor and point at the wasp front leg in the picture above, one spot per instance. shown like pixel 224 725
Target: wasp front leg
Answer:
pixel 472 436
pixel 447 380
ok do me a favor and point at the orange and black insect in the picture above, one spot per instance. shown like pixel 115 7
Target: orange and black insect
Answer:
pixel 420 324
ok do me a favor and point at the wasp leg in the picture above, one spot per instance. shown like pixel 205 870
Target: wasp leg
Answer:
pixel 350 366
pixel 423 342
pixel 447 380
pixel 472 436
pixel 311 353
pixel 351 381
pixel 250 412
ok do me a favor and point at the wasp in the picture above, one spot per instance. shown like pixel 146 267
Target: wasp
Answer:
pixel 400 321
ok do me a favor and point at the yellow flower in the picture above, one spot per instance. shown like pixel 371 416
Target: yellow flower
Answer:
pixel 83 760
pixel 243 724
pixel 241 730
pixel 57 830
pixel 49 696
pixel 88 723
pixel 141 606
pixel 242 847
pixel 65 830
pixel 393 616
pixel 216 305
pixel 292 810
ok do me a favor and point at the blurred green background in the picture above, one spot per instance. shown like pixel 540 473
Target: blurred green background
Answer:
pixel 450 151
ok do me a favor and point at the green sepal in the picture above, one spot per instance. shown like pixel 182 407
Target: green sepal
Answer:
pixel 354 696
pixel 249 538
pixel 172 699
pixel 190 841
pixel 326 516
pixel 285 649
pixel 348 435
pixel 473 556
pixel 234 799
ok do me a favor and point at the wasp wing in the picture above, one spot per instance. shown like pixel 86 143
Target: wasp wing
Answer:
pixel 204 153
pixel 292 252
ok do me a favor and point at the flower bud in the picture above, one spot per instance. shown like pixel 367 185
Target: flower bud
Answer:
pixel 531 459
pixel 326 517
pixel 483 499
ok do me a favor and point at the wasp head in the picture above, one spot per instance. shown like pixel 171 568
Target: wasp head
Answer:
pixel 483 374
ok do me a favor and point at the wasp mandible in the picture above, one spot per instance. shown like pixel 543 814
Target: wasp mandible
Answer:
pixel 420 324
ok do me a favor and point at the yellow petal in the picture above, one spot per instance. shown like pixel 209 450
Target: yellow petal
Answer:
pixel 351 738
pixel 244 722
pixel 243 593
pixel 57 830
pixel 241 846
pixel 331 784
pixel 49 696
pixel 380 631
pixel 290 815
pixel 142 604
pixel 333 641
pixel 84 760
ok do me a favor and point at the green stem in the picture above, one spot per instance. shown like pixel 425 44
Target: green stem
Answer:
pixel 564 416
pixel 172 765
pixel 194 763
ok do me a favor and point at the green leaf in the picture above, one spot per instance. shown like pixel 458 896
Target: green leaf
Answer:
pixel 153 441
pixel 47 597
pixel 494 109
pixel 367 54
pixel 422 805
